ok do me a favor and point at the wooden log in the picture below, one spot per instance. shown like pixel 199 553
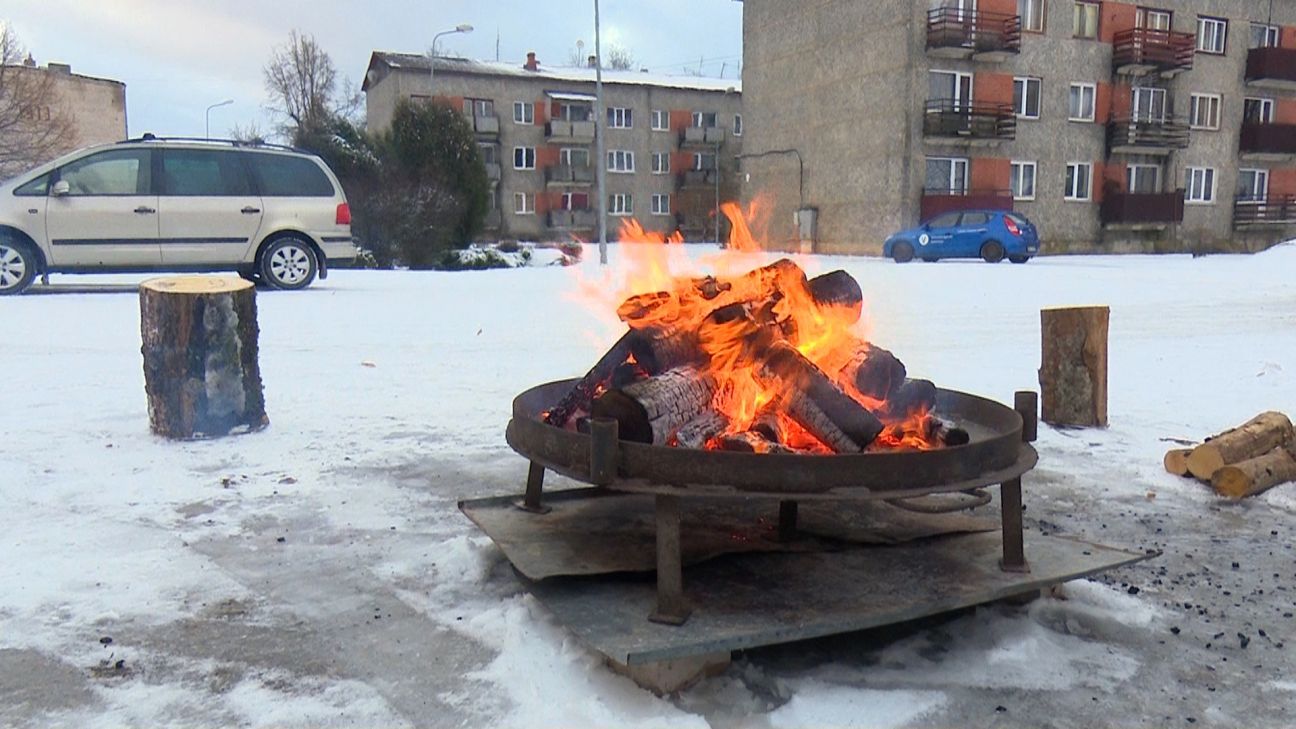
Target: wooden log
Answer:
pixel 1073 370
pixel 750 442
pixel 698 431
pixel 811 399
pixel 582 393
pixel 1255 475
pixel 652 410
pixel 875 372
pixel 201 373
pixel 838 289
pixel 1257 436
pixel 912 397
pixel 1176 461
pixel 660 349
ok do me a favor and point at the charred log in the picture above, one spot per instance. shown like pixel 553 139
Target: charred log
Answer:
pixel 652 410
pixel 875 372
pixel 582 393
pixel 914 396
pixel 816 404
pixel 698 431
pixel 839 289
pixel 750 442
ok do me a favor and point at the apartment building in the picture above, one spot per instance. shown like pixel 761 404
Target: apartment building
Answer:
pixel 94 108
pixel 671 141
pixel 1115 127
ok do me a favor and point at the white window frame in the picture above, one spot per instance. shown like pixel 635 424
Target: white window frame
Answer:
pixel 1072 193
pixel 1097 6
pixel 528 158
pixel 1023 111
pixel 700 116
pixel 620 204
pixel 523 113
pixel 565 202
pixel 620 117
pixel 1272 35
pixel 621 161
pixel 659 120
pixel 955 163
pixel 1093 101
pixel 661 163
pixel 1266 109
pixel 1212 29
pixel 524 203
pixel 697 161
pixel 1203 193
pixel 661 203
pixel 1017 177
pixel 960 100
pixel 1214 104
pixel 1257 174
pixel 737 125
pixel 1151 94
pixel 565 155
pixel 1032 15
pixel 1133 171
pixel 1142 16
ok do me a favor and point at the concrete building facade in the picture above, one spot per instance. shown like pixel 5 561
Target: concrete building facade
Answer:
pixel 94 108
pixel 1115 127
pixel 671 141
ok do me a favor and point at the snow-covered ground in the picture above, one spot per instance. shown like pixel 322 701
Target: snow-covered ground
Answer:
pixel 318 573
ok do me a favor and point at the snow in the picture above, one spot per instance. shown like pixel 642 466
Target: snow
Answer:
pixel 388 393
pixel 444 64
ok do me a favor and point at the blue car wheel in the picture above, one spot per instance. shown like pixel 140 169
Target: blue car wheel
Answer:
pixel 902 252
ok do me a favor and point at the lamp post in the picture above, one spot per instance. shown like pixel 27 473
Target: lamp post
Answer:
pixel 461 28
pixel 600 126
pixel 207 126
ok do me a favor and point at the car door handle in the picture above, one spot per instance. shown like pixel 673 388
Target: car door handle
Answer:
pixel 249 210
pixel 145 210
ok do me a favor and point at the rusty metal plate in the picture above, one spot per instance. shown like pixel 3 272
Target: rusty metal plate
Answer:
pixel 752 600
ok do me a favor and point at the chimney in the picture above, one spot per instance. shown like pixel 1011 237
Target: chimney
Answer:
pixel 531 63
pixel 593 61
pixel 29 62
pixel 59 68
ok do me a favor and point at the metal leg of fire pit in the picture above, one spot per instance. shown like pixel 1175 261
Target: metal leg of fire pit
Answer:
pixel 671 608
pixel 1026 404
pixel 534 488
pixel 787 524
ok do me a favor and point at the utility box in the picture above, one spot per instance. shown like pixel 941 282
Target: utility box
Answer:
pixel 806 221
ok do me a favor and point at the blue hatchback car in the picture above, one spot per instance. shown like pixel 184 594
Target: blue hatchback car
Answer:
pixel 990 234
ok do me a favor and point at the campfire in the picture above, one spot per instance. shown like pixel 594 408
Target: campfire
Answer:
pixel 765 361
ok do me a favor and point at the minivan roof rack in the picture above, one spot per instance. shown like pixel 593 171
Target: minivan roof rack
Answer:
pixel 148 137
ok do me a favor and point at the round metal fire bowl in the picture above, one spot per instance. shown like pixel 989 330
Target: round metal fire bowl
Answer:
pixel 994 454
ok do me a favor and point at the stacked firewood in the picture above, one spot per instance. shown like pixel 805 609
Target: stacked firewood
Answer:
pixel 1243 461
pixel 665 383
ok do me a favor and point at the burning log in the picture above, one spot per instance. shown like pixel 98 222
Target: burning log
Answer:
pixel 838 288
pixel 582 394
pixel 699 430
pixel 1257 436
pixel 875 372
pixel 815 403
pixel 913 396
pixel 653 409
pixel 751 442
pixel 659 349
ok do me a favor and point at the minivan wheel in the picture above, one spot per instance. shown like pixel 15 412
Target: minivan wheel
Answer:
pixel 992 251
pixel 288 263
pixel 17 267
pixel 902 252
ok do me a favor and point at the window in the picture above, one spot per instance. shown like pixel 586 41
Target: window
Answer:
pixel 706 119
pixel 951 87
pixel 1200 185
pixel 620 204
pixel 1143 179
pixel 1258 111
pixel 620 160
pixel 574 201
pixel 1026 97
pixel 1152 19
pixel 1253 185
pixel 659 120
pixel 488 153
pixel 947 176
pixel 619 118
pixel 117 172
pixel 1148 105
pixel 1032 15
pixel 479 107
pixel 661 204
pixel 737 125
pixel 523 113
pixel 971 219
pixel 524 158
pixel 948 220
pixel 1023 180
pixel 1205 112
pixel 573 157
pixel 579 111
pixel 1211 33
pixel 661 163
pixel 1085 22
pixel 1264 36
pixel 203 172
pixel 1081 104
pixel 279 175
pixel 704 161
pixel 523 203
pixel 1079 181
pixel 38 187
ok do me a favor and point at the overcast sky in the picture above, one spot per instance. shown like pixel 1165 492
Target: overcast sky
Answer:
pixel 178 56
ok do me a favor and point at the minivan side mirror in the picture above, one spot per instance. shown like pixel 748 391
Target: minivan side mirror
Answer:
pixel 60 188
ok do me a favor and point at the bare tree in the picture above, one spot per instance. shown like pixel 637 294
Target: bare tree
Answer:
pixel 302 80
pixel 620 58
pixel 251 133
pixel 34 126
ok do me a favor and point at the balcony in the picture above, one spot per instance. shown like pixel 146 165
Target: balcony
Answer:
pixel 937 202
pixel 702 136
pixel 1273 68
pixel 493 171
pixel 571 219
pixel 493 219
pixel 1142 51
pixel 485 125
pixel 946 120
pixel 1141 210
pixel 1275 142
pixel 1273 211
pixel 1146 136
pixel 560 131
pixel 955 33
pixel 569 175
pixel 697 178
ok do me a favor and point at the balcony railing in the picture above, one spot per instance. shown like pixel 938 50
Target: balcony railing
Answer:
pixel 580 219
pixel 1143 50
pixel 955 33
pixel 1146 136
pixel 1268 139
pixel 485 124
pixel 493 171
pixel 569 132
pixel 939 201
pixel 1272 67
pixel 968 122
pixel 697 178
pixel 1142 208
pixel 1273 210
pixel 569 175
pixel 708 136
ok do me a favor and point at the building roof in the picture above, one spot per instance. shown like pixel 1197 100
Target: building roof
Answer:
pixel 65 71
pixel 421 62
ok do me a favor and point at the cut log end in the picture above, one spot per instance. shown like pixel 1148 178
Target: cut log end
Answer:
pixel 1176 461
pixel 196 285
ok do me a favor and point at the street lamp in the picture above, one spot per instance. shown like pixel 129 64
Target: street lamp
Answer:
pixel 207 127
pixel 600 147
pixel 461 28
